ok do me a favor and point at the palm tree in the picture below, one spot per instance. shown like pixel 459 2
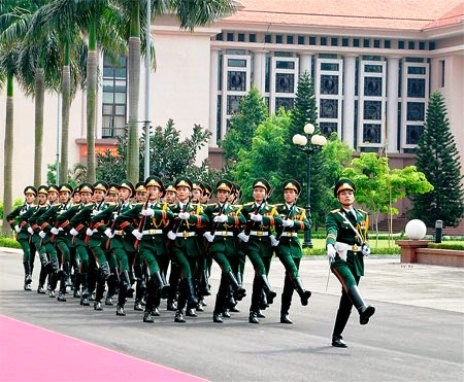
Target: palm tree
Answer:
pixel 9 50
pixel 190 14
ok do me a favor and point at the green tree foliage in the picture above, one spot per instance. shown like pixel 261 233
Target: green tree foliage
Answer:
pixel 378 187
pixel 265 156
pixel 253 112
pixel 438 158
pixel 170 156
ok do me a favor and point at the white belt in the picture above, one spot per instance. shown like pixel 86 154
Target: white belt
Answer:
pixel 289 234
pixel 186 234
pixel 259 233
pixel 223 233
pixel 343 247
pixel 120 233
pixel 152 231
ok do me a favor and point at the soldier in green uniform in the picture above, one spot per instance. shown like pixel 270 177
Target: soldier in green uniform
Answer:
pixel 34 229
pixel 46 221
pixel 98 225
pixel 155 218
pixel 224 218
pixel 346 247
pixel 170 198
pixel 77 227
pixel 122 245
pixel 260 218
pixel 189 218
pixel 288 248
pixel 18 222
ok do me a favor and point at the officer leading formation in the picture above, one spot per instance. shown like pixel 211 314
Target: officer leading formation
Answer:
pixel 158 240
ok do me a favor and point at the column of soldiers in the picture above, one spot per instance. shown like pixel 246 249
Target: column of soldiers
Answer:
pixel 156 241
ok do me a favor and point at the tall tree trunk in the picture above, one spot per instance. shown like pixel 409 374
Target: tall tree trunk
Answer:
pixel 8 157
pixel 39 117
pixel 91 97
pixel 65 94
pixel 134 86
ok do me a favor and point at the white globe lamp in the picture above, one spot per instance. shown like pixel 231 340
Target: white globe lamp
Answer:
pixel 415 229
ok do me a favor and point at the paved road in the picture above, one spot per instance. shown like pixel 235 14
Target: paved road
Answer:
pixel 417 333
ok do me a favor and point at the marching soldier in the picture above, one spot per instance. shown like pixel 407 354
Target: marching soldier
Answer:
pixel 155 219
pixel 34 229
pixel 224 219
pixel 346 247
pixel 288 247
pixel 188 219
pixel 18 222
pixel 122 245
pixel 54 239
pixel 256 236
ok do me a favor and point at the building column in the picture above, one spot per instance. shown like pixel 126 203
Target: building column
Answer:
pixel 306 63
pixel 259 71
pixel 213 96
pixel 393 64
pixel 349 80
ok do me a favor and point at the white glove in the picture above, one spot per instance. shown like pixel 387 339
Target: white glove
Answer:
pixel 30 230
pixel 89 232
pixel 17 228
pixel 288 223
pixel 42 234
pixel 256 217
pixel 60 229
pixel 331 252
pixel 171 235
pixel 74 232
pixel 366 249
pixel 274 241
pixel 208 236
pixel 220 218
pixel 137 234
pixel 184 215
pixel 148 212
pixel 109 233
pixel 54 231
pixel 243 237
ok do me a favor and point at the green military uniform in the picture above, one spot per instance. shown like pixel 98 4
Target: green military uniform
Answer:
pixel 77 227
pixel 18 222
pixel 222 246
pixel 258 247
pixel 289 250
pixel 186 249
pixel 348 264
pixel 34 230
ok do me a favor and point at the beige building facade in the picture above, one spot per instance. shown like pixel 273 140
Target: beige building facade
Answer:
pixel 373 63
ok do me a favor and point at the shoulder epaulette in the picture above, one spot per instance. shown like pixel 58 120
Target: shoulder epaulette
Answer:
pixel 248 204
pixel 335 211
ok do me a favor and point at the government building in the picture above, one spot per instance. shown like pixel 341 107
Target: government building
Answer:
pixel 373 63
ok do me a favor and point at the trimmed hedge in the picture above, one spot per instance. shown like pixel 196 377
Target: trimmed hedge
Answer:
pixel 455 246
pixel 9 242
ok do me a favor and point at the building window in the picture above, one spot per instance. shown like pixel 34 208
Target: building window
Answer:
pixel 114 97
pixel 411 45
pixel 301 40
pixel 334 41
pixel 323 40
pixel 268 38
pixel 345 41
pixel 387 44
pixel 312 40
pixel 252 37
pixel 241 37
pixel 356 42
pixel 283 81
pixel 400 44
pixel 376 43
pixel 289 39
pixel 366 43
pixel 230 37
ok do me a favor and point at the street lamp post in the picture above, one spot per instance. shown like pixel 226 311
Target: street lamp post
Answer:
pixel 309 143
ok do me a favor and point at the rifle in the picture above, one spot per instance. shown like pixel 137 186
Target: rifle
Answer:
pixel 178 222
pixel 250 222
pixel 113 225
pixel 281 228
pixel 142 222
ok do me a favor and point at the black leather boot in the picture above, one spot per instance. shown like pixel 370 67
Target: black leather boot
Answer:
pixel 120 310
pixel 27 276
pixel 343 314
pixel 179 317
pixel 126 284
pixel 253 318
pixel 97 305
pixel 151 290
pixel 365 311
pixel 286 302
pixel 270 294
pixel 85 290
pixel 302 292
pixel 337 341
pixel 217 318
pixel 192 300
pixel 239 292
